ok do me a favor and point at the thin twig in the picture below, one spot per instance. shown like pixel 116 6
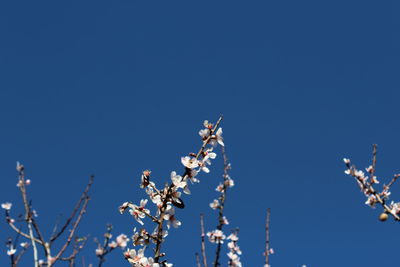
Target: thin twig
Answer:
pixel 374 152
pixel 198 260
pixel 72 231
pixel 19 231
pixel 221 207
pixel 28 213
pixel 104 247
pixel 394 179
pixel 367 187
pixel 79 243
pixel 267 246
pixel 75 210
pixel 203 245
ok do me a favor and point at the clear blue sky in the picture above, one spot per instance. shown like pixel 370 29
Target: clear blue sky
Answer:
pixel 115 88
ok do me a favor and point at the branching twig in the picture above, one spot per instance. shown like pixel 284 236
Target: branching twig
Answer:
pixel 104 250
pixel 198 260
pixel 169 190
pixel 366 185
pixel 75 225
pixel 33 226
pixel 221 206
pixel 75 210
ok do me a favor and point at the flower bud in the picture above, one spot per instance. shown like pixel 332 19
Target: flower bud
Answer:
pixel 383 217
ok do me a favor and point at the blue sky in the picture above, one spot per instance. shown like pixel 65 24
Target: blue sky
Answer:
pixel 116 88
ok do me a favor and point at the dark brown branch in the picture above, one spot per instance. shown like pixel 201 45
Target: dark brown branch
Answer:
pixel 221 207
pixel 367 187
pixel 76 209
pixel 79 243
pixel 104 247
pixel 75 225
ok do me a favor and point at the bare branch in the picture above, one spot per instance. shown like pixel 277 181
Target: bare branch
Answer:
pixel 76 209
pixel 203 245
pixel 267 246
pixel 75 225
pixel 198 260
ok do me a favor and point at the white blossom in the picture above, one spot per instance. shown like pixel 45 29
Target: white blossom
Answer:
pixel 139 212
pixel 170 217
pixel 371 201
pixel 6 206
pixel 122 240
pixel 177 180
pixel 189 162
pixel 215 204
pixel 11 251
pixel 217 138
pixel 216 236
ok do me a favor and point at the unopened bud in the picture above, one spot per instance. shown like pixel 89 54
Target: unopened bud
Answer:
pixel 383 217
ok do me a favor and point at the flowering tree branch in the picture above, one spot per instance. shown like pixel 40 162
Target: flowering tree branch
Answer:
pixel 169 197
pixel 217 236
pixel 55 234
pixel 366 184
pixel 11 252
pixel 220 207
pixel 34 234
pixel 268 249
pixel 108 246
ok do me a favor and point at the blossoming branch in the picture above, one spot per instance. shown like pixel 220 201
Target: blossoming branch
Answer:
pixel 367 183
pixel 34 234
pixel 167 198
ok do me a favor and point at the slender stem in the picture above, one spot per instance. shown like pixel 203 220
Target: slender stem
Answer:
pixel 198 260
pixel 75 210
pixel 395 177
pixel 373 163
pixel 79 243
pixel 105 250
pixel 19 231
pixel 267 246
pixel 222 204
pixel 203 244
pixel 28 213
pixel 72 232
pixel 35 254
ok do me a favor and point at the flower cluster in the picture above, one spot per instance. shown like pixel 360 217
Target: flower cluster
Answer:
pixel 121 241
pixel 216 236
pixel 367 181
pixel 138 259
pixel 33 235
pixel 166 199
pixel 234 250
